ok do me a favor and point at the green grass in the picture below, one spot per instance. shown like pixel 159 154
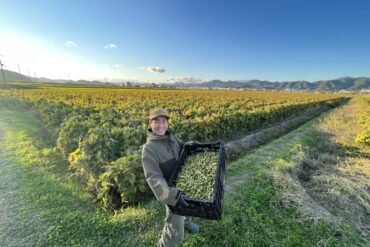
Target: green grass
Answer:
pixel 61 212
pixel 255 214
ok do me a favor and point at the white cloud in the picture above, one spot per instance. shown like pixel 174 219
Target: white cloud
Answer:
pixel 156 69
pixel 119 66
pixel 70 44
pixel 110 46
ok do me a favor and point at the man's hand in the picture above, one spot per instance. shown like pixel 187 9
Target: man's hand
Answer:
pixel 181 199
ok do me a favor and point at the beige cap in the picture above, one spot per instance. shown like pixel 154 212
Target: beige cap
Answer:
pixel 157 112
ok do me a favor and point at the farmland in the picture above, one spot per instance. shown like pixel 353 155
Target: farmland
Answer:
pixel 195 114
pixel 100 130
pixel 94 135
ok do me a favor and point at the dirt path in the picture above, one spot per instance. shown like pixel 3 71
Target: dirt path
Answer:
pixel 9 209
pixel 13 230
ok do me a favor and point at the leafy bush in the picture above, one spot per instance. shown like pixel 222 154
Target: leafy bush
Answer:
pixel 123 181
pixel 71 133
pixel 94 151
pixel 92 143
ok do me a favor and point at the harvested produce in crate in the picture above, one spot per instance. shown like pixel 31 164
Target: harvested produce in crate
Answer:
pixel 197 176
pixel 208 202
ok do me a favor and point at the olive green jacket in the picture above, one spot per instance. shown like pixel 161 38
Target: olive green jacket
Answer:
pixel 160 155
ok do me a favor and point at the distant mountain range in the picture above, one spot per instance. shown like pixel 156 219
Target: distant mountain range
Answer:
pixel 344 83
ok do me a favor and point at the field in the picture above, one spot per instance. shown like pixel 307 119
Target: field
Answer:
pixel 100 130
pixel 65 147
pixel 211 113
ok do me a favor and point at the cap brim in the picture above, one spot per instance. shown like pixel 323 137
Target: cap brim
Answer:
pixel 168 117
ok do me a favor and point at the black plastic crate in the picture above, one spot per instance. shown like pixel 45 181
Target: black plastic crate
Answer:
pixel 211 210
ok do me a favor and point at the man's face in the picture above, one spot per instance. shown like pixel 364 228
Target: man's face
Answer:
pixel 159 125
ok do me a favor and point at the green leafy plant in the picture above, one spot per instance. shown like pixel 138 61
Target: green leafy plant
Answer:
pixel 71 133
pixel 123 181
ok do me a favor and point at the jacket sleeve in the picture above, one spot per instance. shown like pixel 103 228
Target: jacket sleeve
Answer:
pixel 155 179
pixel 181 143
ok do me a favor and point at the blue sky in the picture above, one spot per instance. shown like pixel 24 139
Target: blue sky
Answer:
pixel 170 40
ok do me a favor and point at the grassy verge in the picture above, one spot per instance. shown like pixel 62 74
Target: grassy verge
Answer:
pixel 336 171
pixel 258 212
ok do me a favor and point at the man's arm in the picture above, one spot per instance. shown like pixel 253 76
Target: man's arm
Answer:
pixel 155 179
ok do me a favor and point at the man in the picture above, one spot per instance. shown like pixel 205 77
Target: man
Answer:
pixel 159 158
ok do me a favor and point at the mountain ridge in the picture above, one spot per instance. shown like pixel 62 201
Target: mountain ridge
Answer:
pixel 342 83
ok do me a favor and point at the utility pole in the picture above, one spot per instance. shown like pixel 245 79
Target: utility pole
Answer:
pixel 29 75
pixel 2 71
pixel 20 74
